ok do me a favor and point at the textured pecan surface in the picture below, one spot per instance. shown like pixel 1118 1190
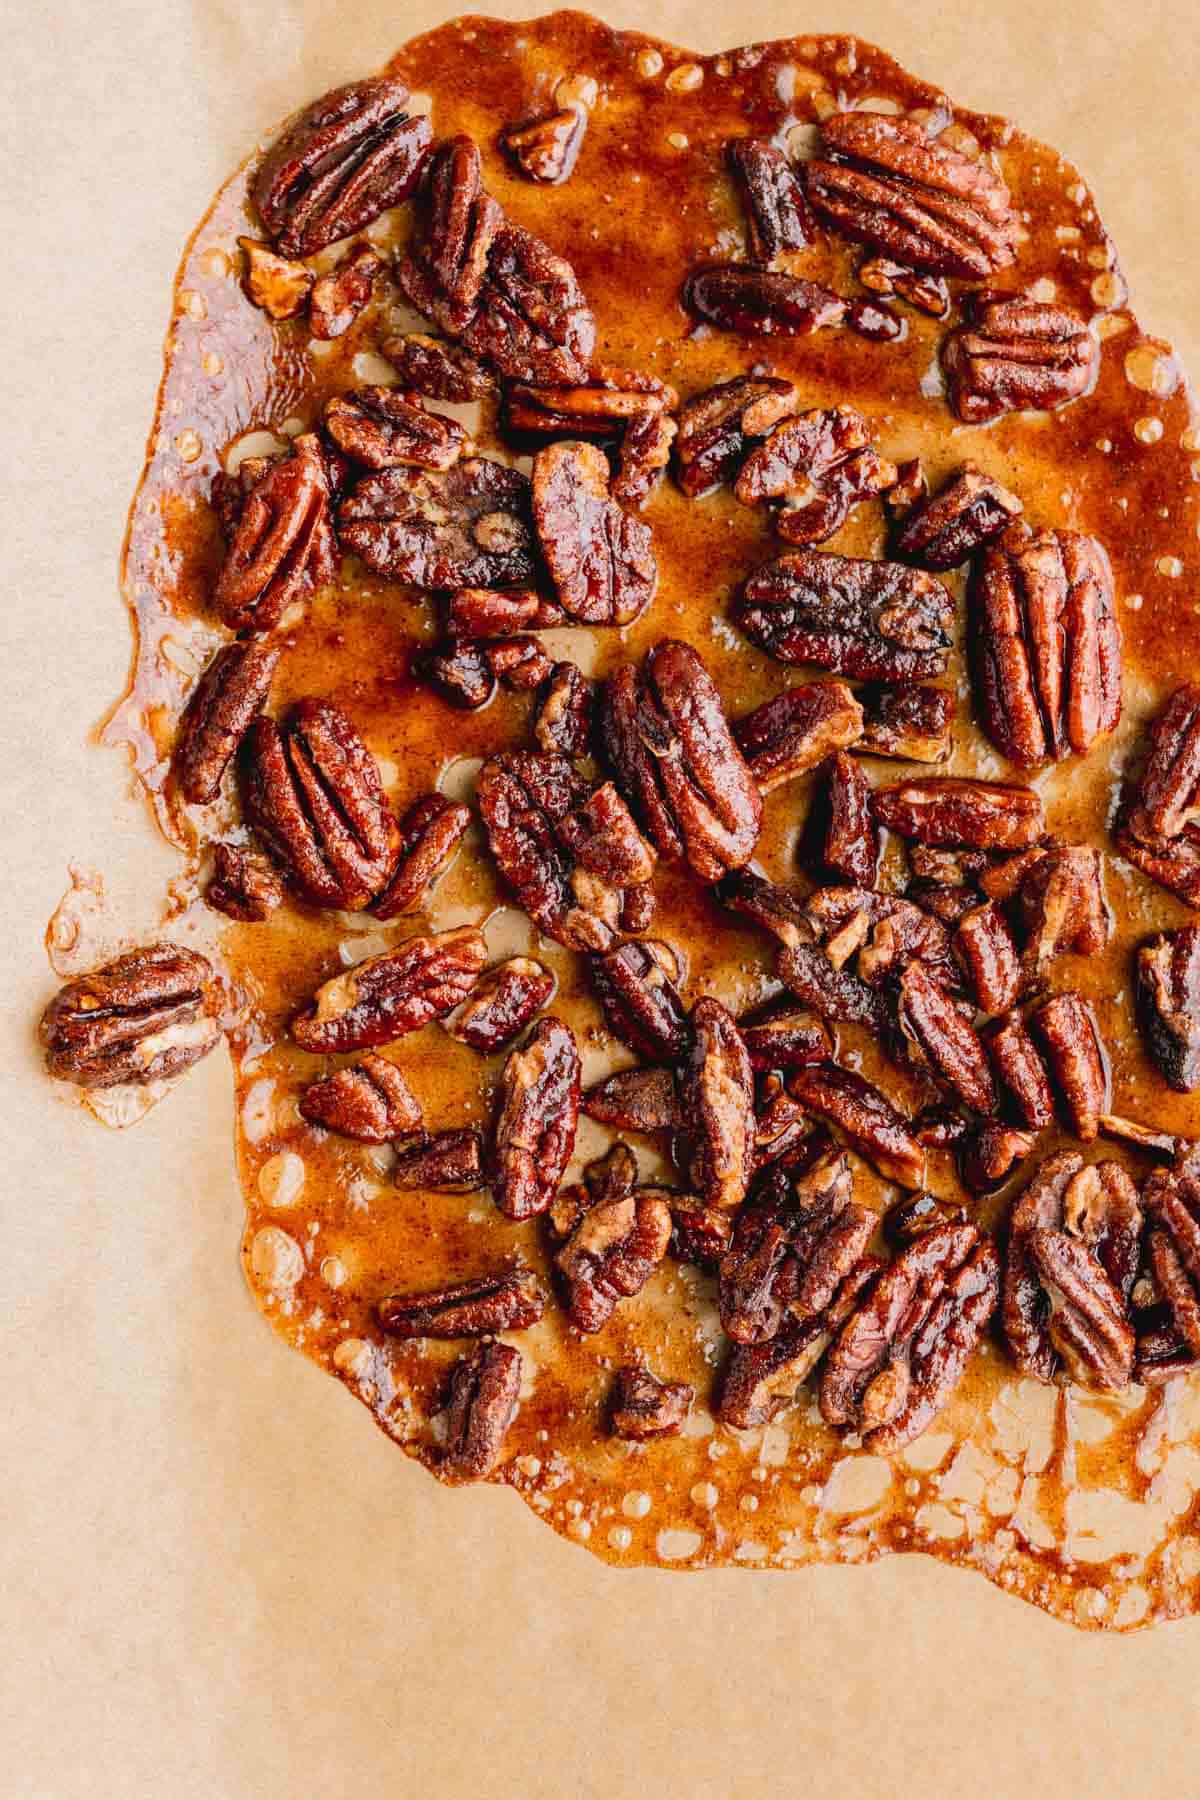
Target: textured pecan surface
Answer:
pixel 945 1042
pixel 912 1217
pixel 385 428
pixel 482 1400
pixel 644 1100
pixel 988 1156
pixel 760 302
pixel 338 298
pixel 636 988
pixel 1022 1072
pixel 882 932
pixel 506 1302
pixel 642 1406
pixel 813 469
pixel 349 157
pixel 449 1161
pixel 1159 828
pixel 885 181
pixel 369 1100
pixel 797 730
pixel 772 195
pixel 1047 646
pixel 787 1038
pixel 535 1124
pixel 445 270
pixel 865 1117
pixel 612 1253
pixel 664 732
pixel 844 835
pixel 791 1248
pixel 243 885
pixel 273 283
pixel 1168 1004
pixel 229 694
pixel 969 512
pixel 282 546
pixel 565 711
pixel 927 293
pixel 436 367
pixel 914 724
pixel 430 833
pixel 717 1102
pixel 460 673
pixel 479 615
pixel 533 322
pixel 612 400
pixel 312 793
pixel 1062 907
pixel 1015 352
pixel 962 814
pixel 879 621
pixel 1067 1029
pixel 146 1016
pixel 985 947
pixel 1172 1202
pixel 901 1356
pixel 714 427
pixel 545 149
pixel 387 996
pixel 467 527
pixel 783 1131
pixel 503 1003
pixel 600 558
pixel 761 1379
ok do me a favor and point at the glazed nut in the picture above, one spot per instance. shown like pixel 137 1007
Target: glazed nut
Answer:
pixel 612 1253
pixel 230 693
pixel 146 1016
pixel 545 149
pixel 430 833
pixel 339 297
pixel 387 996
pixel 984 946
pixel 385 428
pixel 565 711
pixel 642 1006
pixel 866 1118
pixel 813 469
pixel 643 1407
pixel 437 368
pixel 518 663
pixel 460 673
pixel 1060 898
pixel 478 614
pixel 503 1003
pixel 717 1101
pixel 989 1155
pixel 877 621
pixel 600 559
pixel 796 731
pixel 1168 1005
pixel 283 546
pixel 482 1401
pixel 791 1250
pixel 962 814
pixel 943 1040
pixel 509 1301
pixel 790 1039
pixel 772 196
pixel 446 1162
pixel 969 512
pixel 461 527
pixel 536 1120
pixel 243 885
pixel 844 838
pixel 276 285
pixel 760 302
pixel 913 724
pixel 642 1100
pixel 1013 352
pixel 369 1100
pixel 714 427
pixel 1066 1027
pixel 1022 1072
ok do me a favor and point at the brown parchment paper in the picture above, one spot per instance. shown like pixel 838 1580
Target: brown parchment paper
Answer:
pixel 216 1581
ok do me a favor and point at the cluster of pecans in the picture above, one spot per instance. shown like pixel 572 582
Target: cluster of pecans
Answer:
pixel 1095 1282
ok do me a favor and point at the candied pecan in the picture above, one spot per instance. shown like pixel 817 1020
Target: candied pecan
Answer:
pixel 883 931
pixel 836 994
pixel 370 1100
pixel 700 1234
pixel 437 368
pixel 644 453
pixel 612 1253
pixel 1002 880
pixel 787 1039
pixel 949 904
pixel 430 833
pixel 1162 1144
pixel 1022 1071
pixel 865 1117
pixel 609 1177
pixel 483 1395
pixel 909 489
pixel 846 837
pixel 948 868
pixel 243 886
pixel 792 1249
pixel 612 399
pixel 533 322
pixel 272 283
pixel 717 1101
pixel 387 996
pixel 912 1217
pixel 385 428
pixel 773 908
pixel 969 512
pixel 231 691
pixel 985 948
pixel 1174 863
pixel 502 1004
pixel 714 426
pixel 900 1357
pixel 952 813
pixel 913 724
pixel 879 621
pixel 872 319
pixel 1162 1354
pixel 814 468
pixel 940 1127
pixel 481 615
pixel 146 1016
pixel 645 1100
pixel 565 711
pixel 665 734
pixel 638 909
pixel 468 526
pixel 535 1125
pixel 545 149
pixel 761 1379
pixel 885 181
pixel 1067 1028
pixel 989 1155
pixel 600 559
pixel 461 674
pixel 1014 352
pixel 928 293
pixel 1047 645
pixel 505 1302
pixel 339 297
pixel 642 1406
pixel 1062 906
pixel 759 302
pixel 772 194
pixel 797 730
pixel 283 545
pixel 1168 1004
pixel 943 1041
pixel 449 1161
pixel 444 274
pixel 312 793
pixel 783 1131
pixel 636 987
pixel 518 663
pixel 1167 800
pixel 350 156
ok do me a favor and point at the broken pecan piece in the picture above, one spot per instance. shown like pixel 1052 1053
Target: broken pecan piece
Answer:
pixel 928 293
pixel 788 1039
pixel 565 711
pixel 283 544
pixel 387 996
pixel 644 1100
pixel 1168 1005
pixel 385 428
pixel 146 1016
pixel 865 1117
pixel 447 1162
pixel 883 931
pixel 243 886
pixel 1062 906
pixel 962 814
pixel 518 663
pixel 944 1042
pixel 985 948
pixel 791 1249
pixel 717 1101
pixel 797 730
pixel 1013 353
pixel 502 1004
pixel 370 1100
pixel 545 149
pixel 505 1302
pixel 1067 1028
pixel 430 833
pixel 437 368
pixel 969 512
pixel 480 615
pixel 664 732
pixel 535 1125
pixel 642 1406
pixel 229 694
pixel 880 621
pixel 1159 827
pixel 636 987
pixel 482 1400
pixel 772 194
pixel 814 468
pixel 612 1253
pixel 987 1158
pixel 714 426
pixel 845 837
pixel 760 302
pixel 912 724
pixel 912 1217
pixel 339 297
pixel 600 558
pixel 468 526
pixel 460 673
pixel 272 283
pixel 885 181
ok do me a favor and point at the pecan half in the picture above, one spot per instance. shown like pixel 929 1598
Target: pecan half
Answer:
pixel 1168 1004
pixel 944 1042
pixel 969 512
pixel 797 730
pixel 962 814
pixel 565 712
pixel 814 468
pixel 714 426
pixel 447 1162
pixel 1163 1354
pixel 283 546
pixel 482 1400
pixel 1067 1028
pixel 503 1003
pixel 1172 1202
pixel 545 149
pixel 600 558
pixel 437 368
pixel 231 691
pixel 845 837
pixel 611 401
pixel 535 1125
pixel 665 734
pixel 460 673
pixel 312 793
pixel 243 886
pixel 569 853
pixel 880 621
pixel 1014 352
pixel 533 322
pixel 717 1101
pixel 518 663
pixel 836 994
pixel 883 931
pixel 928 293
pixel 468 527
pixel 339 297
pixel 444 273
pixel 1022 1071
pixel 760 302
pixel 913 724
pixel 644 454
pixel 146 1016
pixel 900 1357
pixel 787 1039
pixel 430 833
pixel 387 996
pixel 505 1302
pixel 885 181
pixel 792 1249
pixel 612 1253
pixel 636 988
pixel 772 194
pixel 480 615
pixel 985 948
pixel 350 156
pixel 865 1117
pixel 273 283
pixel 783 1131
pixel 987 1158
pixel 761 1379
pixel 385 428
pixel 642 1406
pixel 1062 906
pixel 1159 827
pixel 644 1100
pixel 370 1100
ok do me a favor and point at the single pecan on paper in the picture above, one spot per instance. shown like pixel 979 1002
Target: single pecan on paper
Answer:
pixel 509 1301
pixel 636 987
pixel 841 831
pixel 430 833
pixel 716 426
pixel 664 732
pixel 536 1120
pixel 878 621
pixel 229 695
pixel 503 1002
pixel 1172 1201
pixel 797 730
pixel 944 1040
pixel 386 428
pixel 901 1356
pixel 243 885
pixel 760 302
pixel 621 1236
pixel 951 813
pixel 1168 1005
pixel 569 852
pixel 468 526
pixel 387 996
pixel 312 794
pixel 482 1399
pixel 643 1407
pixel 350 156
pixel 1159 826
pixel 436 367
pixel 146 1016
pixel 812 469
pixel 447 1162
pixel 717 1103
pixel 1012 353
pixel 778 217
pixel 545 149
pixel 1066 1028
pixel 368 1100
pixel 912 724
pixel 969 512
pixel 340 296
pixel 600 557
pixel 565 712
pixel 865 1117
pixel 643 1100
pixel 282 546
pixel 885 181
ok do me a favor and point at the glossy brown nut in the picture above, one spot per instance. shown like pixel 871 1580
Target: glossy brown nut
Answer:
pixel 339 297
pixel 533 322
pixel 430 834
pixel 387 996
pixel 243 885
pixel 437 368
pixel 460 673
pixel 1172 1202
pixel 760 1380
pixel 535 1125
pixel 882 933
pixel 481 614
pixel 509 1301
pixel 760 302
pixel 146 1016
pixel 1019 1065
pixel 503 1003
pixel 482 1401
pixel 447 1162
pixel 612 1253
pixel 865 1117
pixel 600 559
pixel 642 1006
pixel 230 693
pixel 611 402
pixel 790 1039
pixel 714 427
pixel 928 293
pixel 545 149
pixel 967 513
pixel 1014 352
pixel 1062 907
pixel 846 837
pixel 913 724
pixel 283 546
pixel 984 946
pixel 988 1157
pixel 878 621
pixel 468 526
pixel 791 1250
pixel 444 273
pixel 772 195
pixel 385 428
pixel 643 1100
pixel 717 1100
pixel 565 711
pixel 643 1407
pixel 944 1042
pixel 1168 1005
pixel 369 1100
pixel 1067 1030
pixel 962 814
pixel 797 730
pixel 813 469
pixel 273 283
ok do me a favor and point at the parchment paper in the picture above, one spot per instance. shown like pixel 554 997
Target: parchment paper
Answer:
pixel 218 1581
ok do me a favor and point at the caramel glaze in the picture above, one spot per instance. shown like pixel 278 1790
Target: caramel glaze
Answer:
pixel 1017 1481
